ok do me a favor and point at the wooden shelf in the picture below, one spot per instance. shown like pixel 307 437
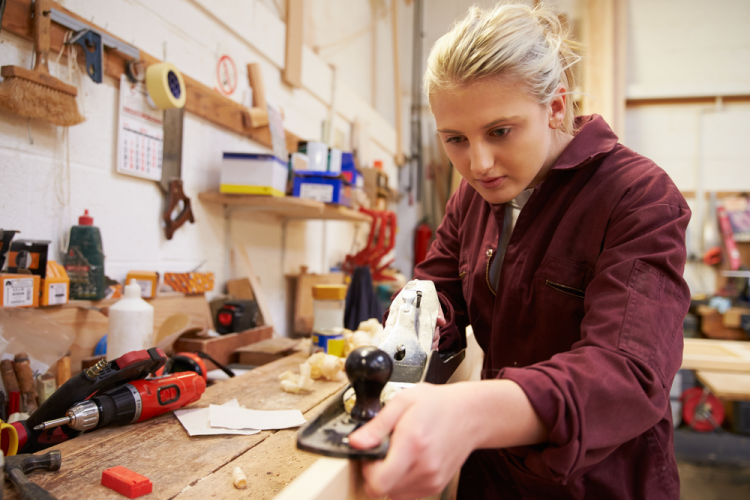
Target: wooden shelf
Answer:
pixel 287 207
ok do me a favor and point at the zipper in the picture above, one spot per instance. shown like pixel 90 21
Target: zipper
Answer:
pixel 487 271
pixel 461 275
pixel 567 290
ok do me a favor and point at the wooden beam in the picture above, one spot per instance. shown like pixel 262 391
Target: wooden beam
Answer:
pixel 259 112
pixel 295 19
pixel 201 101
pixel 605 61
pixel 655 101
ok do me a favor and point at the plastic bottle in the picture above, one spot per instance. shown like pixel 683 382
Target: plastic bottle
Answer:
pixel 84 260
pixel 131 323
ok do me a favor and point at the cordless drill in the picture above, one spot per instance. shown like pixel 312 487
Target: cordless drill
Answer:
pixel 135 401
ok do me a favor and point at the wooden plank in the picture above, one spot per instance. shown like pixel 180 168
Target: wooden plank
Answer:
pixel 259 111
pixel 288 207
pixel 658 101
pixel 265 351
pixel 726 385
pixel 716 355
pixel 604 64
pixel 90 325
pixel 303 299
pixel 201 101
pixel 222 348
pixel 161 449
pixel 295 18
pixel 260 297
pixel 240 289
pixel 269 467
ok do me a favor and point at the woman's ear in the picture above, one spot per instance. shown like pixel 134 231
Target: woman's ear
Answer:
pixel 557 107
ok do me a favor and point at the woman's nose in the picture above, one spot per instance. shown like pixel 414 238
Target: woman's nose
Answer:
pixel 482 159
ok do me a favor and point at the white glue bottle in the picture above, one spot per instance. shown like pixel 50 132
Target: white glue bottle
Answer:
pixel 131 323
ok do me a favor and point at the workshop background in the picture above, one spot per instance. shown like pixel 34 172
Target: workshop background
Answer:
pixel 671 77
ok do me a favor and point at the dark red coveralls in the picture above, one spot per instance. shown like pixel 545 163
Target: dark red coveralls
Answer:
pixel 587 319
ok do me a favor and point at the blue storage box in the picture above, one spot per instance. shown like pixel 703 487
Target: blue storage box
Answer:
pixel 327 187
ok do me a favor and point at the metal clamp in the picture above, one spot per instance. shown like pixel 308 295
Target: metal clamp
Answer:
pixel 92 40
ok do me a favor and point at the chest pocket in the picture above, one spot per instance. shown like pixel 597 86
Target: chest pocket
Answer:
pixel 559 292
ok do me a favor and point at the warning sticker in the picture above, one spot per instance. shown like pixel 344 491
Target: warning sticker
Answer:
pixel 319 192
pixel 147 288
pixel 58 293
pixel 18 292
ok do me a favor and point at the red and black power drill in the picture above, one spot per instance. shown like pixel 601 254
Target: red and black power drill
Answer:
pixel 133 402
pixel 108 384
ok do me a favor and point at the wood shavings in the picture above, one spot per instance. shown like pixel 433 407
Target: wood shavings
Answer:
pixel 239 479
pixel 325 366
pixel 296 384
pixel 369 332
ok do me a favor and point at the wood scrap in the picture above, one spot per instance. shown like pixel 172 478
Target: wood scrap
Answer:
pixel 726 385
pixel 265 351
pixel 260 297
pixel 716 355
pixel 295 18
pixel 240 289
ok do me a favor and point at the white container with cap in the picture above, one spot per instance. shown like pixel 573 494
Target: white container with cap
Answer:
pixel 131 323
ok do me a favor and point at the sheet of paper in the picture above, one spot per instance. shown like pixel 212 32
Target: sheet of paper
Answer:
pixel 195 422
pixel 241 418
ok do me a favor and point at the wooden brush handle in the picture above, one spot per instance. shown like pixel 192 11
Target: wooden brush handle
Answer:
pixel 42 23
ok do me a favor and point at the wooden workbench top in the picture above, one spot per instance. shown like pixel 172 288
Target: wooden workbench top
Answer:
pixel 199 467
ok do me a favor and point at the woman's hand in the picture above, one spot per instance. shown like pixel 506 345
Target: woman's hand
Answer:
pixel 432 437
pixel 440 323
pixel 434 428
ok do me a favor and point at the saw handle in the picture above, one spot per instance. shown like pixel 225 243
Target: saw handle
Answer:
pixel 175 194
pixel 368 369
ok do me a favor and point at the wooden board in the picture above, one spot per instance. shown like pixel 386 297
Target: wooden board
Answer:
pixel 240 289
pixel 260 297
pixel 201 101
pixel 295 19
pixel 221 348
pixel 161 449
pixel 287 207
pixel 726 385
pixel 90 325
pixel 717 355
pixel 265 351
pixel 302 284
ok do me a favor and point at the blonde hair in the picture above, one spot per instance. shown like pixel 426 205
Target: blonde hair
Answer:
pixel 516 41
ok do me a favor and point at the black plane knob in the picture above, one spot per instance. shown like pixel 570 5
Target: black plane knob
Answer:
pixel 368 369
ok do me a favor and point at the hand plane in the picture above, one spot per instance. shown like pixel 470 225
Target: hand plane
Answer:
pixel 403 359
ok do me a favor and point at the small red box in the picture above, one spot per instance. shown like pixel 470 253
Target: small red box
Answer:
pixel 126 482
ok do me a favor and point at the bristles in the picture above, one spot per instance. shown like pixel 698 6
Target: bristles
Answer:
pixel 30 99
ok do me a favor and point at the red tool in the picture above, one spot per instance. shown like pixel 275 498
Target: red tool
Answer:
pixel 380 241
pixel 135 401
pixel 701 410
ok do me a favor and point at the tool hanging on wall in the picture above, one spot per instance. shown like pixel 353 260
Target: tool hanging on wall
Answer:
pixel 35 93
pixel 175 200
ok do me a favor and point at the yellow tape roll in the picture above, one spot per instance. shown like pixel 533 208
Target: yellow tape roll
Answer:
pixel 166 86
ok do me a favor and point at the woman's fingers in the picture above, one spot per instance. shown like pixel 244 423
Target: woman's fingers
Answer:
pixel 373 432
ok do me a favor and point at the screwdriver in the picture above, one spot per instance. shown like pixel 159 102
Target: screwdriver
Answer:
pixel 132 402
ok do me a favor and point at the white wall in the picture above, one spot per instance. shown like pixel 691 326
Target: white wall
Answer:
pixel 42 194
pixel 687 49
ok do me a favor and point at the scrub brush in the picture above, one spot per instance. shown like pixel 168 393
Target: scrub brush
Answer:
pixel 35 93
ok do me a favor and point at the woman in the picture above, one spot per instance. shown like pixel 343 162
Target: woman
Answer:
pixel 564 250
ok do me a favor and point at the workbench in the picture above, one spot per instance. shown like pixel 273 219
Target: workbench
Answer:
pixel 200 467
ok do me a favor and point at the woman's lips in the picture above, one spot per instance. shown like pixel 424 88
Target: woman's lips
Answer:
pixel 492 182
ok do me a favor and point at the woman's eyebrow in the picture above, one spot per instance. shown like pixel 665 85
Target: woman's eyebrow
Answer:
pixel 489 125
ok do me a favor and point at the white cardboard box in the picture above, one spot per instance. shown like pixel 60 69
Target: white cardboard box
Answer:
pixel 249 173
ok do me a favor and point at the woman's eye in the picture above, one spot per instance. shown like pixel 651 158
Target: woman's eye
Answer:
pixel 454 140
pixel 500 132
